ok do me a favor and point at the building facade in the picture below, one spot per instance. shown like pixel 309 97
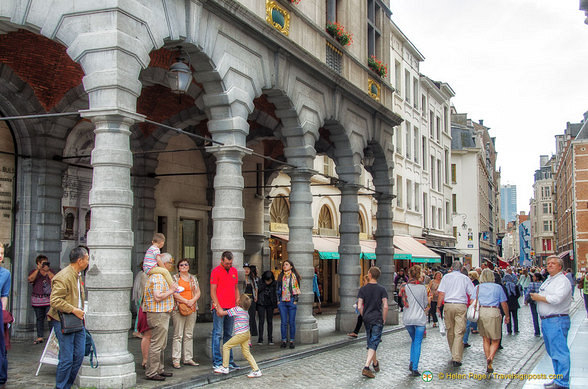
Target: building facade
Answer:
pixel 541 214
pixel 267 89
pixel 508 203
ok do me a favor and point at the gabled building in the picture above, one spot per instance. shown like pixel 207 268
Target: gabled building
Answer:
pixel 542 211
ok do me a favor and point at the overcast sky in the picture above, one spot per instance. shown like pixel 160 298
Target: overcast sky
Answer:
pixel 520 65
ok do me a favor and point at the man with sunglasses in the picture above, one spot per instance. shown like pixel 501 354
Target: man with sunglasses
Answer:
pixel 553 306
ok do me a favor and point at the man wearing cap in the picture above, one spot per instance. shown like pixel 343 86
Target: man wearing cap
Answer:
pixel 553 306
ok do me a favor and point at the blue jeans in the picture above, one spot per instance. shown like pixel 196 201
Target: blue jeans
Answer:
pixel 71 355
pixel 535 317
pixel 288 318
pixel 471 325
pixel 373 334
pixel 416 333
pixel 220 325
pixel 3 359
pixel 555 335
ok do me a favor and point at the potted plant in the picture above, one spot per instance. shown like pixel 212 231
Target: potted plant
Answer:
pixel 338 32
pixel 295 1
pixel 378 66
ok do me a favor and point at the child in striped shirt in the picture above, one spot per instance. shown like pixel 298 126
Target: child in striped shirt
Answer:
pixel 241 336
pixel 152 264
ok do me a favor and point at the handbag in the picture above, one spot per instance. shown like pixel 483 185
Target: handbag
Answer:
pixel 142 325
pixel 70 323
pixel 90 350
pixel 185 310
pixel 474 309
pixel 442 329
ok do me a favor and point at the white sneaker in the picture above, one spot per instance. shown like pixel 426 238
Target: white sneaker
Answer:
pixel 222 370
pixel 180 289
pixel 254 374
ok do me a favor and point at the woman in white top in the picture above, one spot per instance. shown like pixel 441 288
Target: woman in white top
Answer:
pixel 415 300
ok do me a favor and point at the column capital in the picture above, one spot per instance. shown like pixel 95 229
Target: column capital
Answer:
pixel 300 172
pixel 348 188
pixel 107 114
pixel 229 149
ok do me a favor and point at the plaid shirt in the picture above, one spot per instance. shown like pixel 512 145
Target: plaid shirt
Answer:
pixel 532 288
pixel 156 282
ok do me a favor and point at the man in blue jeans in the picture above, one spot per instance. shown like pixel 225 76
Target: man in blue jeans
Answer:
pixel 67 296
pixel 372 303
pixel 224 293
pixel 553 305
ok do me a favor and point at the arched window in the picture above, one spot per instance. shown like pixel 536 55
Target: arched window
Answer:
pixel 69 225
pixel 325 219
pixel 361 224
pixel 279 213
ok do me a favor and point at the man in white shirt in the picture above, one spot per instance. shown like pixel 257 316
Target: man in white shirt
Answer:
pixel 454 290
pixel 553 306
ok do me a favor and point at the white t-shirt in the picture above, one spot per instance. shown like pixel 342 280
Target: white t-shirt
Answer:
pixel 558 293
pixel 457 287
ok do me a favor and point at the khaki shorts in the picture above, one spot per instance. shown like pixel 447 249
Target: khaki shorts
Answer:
pixel 490 323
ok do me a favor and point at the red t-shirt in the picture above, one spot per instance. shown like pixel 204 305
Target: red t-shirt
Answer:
pixel 225 282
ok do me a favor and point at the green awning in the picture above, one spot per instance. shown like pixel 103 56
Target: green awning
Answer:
pixel 400 256
pixel 328 255
pixel 368 256
pixel 426 260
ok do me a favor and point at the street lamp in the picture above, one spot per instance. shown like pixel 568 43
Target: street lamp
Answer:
pixel 368 157
pixel 180 75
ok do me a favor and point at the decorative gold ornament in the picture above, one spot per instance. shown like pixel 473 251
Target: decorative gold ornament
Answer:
pixel 277 17
pixel 374 89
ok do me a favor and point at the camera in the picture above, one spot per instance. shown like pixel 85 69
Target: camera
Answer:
pixel 45 264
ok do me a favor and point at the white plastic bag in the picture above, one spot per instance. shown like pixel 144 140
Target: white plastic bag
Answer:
pixel 442 330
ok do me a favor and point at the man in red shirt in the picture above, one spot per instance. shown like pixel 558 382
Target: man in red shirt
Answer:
pixel 224 293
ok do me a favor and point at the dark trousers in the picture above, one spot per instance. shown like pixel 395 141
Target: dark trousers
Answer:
pixel 358 324
pixel 535 317
pixel 433 311
pixel 266 314
pixel 41 314
pixel 585 300
pixel 514 321
pixel 3 359
pixel 252 321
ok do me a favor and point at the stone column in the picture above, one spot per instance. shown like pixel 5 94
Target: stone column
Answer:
pixel 228 212
pixel 349 251
pixel 385 252
pixel 110 239
pixel 144 224
pixel 300 251
pixel 37 231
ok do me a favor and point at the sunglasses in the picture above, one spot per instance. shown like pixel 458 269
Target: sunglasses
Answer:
pixel 184 264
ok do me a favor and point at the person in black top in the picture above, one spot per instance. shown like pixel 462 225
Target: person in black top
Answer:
pixel 372 303
pixel 267 301
pixel 250 289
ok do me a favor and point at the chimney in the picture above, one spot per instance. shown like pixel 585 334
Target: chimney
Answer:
pixel 481 121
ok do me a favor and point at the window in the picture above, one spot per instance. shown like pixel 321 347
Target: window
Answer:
pixel 453 173
pixel 327 166
pixel 431 123
pixel 439 179
pixel 425 211
pixel 545 225
pixel 432 171
pixel 445 119
pixel 415 93
pixel 545 208
pixel 423 105
pixel 455 232
pixel 447 213
pixel 446 166
pixel 440 218
pixel 398 139
pixel 408 145
pixel 438 127
pixel 407 86
pixel 416 145
pixel 417 197
pixel 189 231
pixel 373 28
pixel 433 216
pixel 454 203
pixel 424 156
pixel 399 191
pixel 408 194
pixel 397 72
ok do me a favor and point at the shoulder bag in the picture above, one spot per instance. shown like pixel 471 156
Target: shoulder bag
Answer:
pixel 474 309
pixel 70 323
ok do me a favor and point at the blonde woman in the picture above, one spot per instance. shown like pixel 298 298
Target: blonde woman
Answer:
pixel 471 326
pixel 184 315
pixel 434 295
pixel 490 296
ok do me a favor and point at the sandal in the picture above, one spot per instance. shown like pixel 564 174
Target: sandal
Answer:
pixel 38 341
pixel 489 368
pixel 352 335
pixel 191 363
pixel 176 365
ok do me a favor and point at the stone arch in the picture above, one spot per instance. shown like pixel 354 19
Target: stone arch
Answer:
pixel 364 224
pixel 279 210
pixel 326 217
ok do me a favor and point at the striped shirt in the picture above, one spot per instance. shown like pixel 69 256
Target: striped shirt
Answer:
pixel 150 259
pixel 241 319
pixel 157 283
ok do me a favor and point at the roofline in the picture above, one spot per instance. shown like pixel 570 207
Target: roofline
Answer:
pixel 416 51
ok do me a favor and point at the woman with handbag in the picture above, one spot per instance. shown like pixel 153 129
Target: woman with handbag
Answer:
pixel 490 295
pixel 288 290
pixel 415 301
pixel 41 278
pixel 184 315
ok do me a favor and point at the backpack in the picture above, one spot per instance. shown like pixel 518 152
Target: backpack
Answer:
pixel 91 349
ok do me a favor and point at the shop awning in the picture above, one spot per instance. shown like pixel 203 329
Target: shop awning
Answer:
pixel 562 255
pixel 328 248
pixel 419 252
pixel 451 251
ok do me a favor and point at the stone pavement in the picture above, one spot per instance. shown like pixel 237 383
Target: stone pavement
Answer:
pixel 335 361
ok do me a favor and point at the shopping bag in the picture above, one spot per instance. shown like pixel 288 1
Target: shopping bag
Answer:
pixel 442 330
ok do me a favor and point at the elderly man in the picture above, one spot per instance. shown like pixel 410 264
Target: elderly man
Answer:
pixel 553 306
pixel 454 290
pixel 158 303
pixel 67 296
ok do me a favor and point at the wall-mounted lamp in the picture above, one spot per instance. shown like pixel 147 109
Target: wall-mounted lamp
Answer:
pixel 179 75
pixel 368 157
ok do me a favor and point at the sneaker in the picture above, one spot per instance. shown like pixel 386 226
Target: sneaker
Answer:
pixel 466 345
pixel 180 289
pixel 254 374
pixel 292 345
pixel 377 367
pixel 234 366
pixel 366 372
pixel 221 370
pixel 260 342
pixel 283 345
pixel 410 366
pixel 415 373
pixel 271 342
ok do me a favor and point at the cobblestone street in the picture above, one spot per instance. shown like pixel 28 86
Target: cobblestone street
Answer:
pixel 342 367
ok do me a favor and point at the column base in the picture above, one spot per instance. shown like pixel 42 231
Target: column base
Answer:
pixel 345 321
pixel 118 373
pixel 392 318
pixel 307 331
